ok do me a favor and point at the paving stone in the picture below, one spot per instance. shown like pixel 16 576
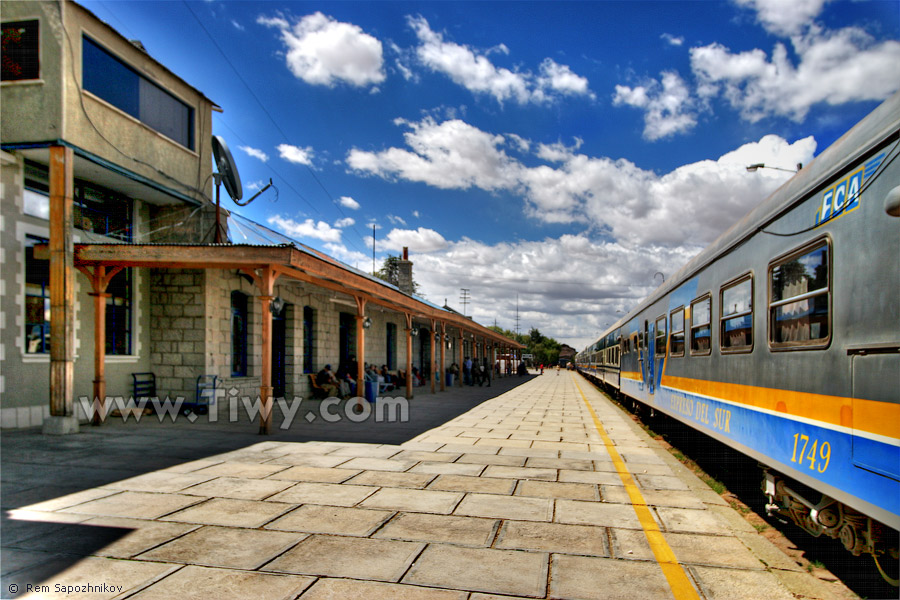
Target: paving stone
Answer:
pixel 128 574
pixel 728 584
pixel 559 463
pixel 660 482
pixel 312 518
pixel 520 473
pixel 467 531
pixel 317 474
pixel 597 477
pixel 232 513
pixel 233 469
pixel 309 460
pixel 605 579
pixel 465 483
pixel 442 468
pixel 553 537
pixel 354 558
pixel 349 589
pixel 394 480
pixel 235 487
pixel 194 465
pixel 427 501
pixel 69 500
pixel 481 570
pixel 15 559
pixel 227 547
pixel 675 498
pixel 539 452
pixel 366 451
pixel 555 489
pixel 332 494
pixel 506 507
pixel 378 464
pixel 160 482
pixel 426 456
pixel 561 446
pixel 691 549
pixel 142 536
pixel 202 583
pixel 685 519
pixel 467 449
pixel 492 459
pixel 604 514
pixel 485 442
pixel 137 505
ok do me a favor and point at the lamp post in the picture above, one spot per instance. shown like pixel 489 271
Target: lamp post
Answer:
pixel 752 168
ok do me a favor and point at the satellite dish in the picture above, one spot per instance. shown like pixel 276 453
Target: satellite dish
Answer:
pixel 228 173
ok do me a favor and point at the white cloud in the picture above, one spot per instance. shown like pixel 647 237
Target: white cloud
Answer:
pixel 784 18
pixel 395 220
pixel 417 240
pixel 416 214
pixel 305 229
pixel 348 202
pixel 295 154
pixel 478 74
pixel 672 40
pixel 695 202
pixel 237 25
pixel 255 153
pixel 323 51
pixel 667 105
pixel 834 67
pixel 345 222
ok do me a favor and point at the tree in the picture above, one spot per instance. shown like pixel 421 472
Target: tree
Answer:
pixel 390 272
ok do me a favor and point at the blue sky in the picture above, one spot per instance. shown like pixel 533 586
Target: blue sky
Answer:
pixel 556 153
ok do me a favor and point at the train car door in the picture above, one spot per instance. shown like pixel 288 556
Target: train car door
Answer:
pixel 649 343
pixel 876 378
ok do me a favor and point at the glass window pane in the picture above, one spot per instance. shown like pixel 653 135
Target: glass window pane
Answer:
pixel 801 275
pixel 105 76
pixel 737 298
pixel 701 331
pixel 21 51
pixel 802 321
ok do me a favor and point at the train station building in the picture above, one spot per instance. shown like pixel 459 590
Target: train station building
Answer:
pixel 111 281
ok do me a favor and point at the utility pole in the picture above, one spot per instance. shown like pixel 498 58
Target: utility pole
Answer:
pixel 373 248
pixel 464 299
pixel 517 313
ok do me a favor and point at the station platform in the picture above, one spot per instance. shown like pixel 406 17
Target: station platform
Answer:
pixel 547 490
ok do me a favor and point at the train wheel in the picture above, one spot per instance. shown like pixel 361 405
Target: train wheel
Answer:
pixel 889 565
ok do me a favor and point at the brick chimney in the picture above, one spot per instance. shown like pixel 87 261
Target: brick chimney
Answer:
pixel 404 275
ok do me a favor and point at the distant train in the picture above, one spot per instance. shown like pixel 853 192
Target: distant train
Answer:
pixel 782 340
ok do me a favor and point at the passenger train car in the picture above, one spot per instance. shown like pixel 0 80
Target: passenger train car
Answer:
pixel 782 340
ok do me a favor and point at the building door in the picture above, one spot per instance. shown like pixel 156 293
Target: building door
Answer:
pixel 279 338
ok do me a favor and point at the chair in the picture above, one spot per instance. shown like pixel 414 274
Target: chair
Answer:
pixel 143 385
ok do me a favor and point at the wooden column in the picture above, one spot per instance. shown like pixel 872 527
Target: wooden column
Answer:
pixel 443 362
pixel 361 352
pixel 99 281
pixel 409 386
pixel 433 368
pixel 62 283
pixel 265 281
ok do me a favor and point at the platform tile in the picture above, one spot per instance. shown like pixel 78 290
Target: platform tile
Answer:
pixel 312 518
pixel 203 583
pixel 589 578
pixel 352 589
pixel 466 531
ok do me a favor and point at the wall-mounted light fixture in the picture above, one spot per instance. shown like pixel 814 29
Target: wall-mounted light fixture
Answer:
pixel 437 336
pixel 276 305
pixel 414 332
pixel 367 322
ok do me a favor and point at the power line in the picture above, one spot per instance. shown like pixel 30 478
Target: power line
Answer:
pixel 464 299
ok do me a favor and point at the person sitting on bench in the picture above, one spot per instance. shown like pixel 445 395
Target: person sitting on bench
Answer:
pixel 327 380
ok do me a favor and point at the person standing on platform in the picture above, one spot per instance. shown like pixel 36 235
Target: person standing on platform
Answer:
pixel 467 371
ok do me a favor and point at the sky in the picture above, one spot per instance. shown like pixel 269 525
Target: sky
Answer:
pixel 555 159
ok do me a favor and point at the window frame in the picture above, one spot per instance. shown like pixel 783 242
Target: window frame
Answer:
pixel 126 326
pixel 807 248
pixel 309 339
pixel 673 332
pixel 37 50
pixel 748 276
pixel 30 241
pixel 665 337
pixel 707 297
pixel 190 142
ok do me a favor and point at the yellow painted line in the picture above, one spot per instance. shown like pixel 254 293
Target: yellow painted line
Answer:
pixel 678 580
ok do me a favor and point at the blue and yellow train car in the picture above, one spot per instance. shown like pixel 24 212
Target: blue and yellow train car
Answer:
pixel 782 340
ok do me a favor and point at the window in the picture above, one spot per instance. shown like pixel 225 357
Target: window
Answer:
pixel 107 77
pixel 391 350
pixel 676 335
pixel 37 299
pixel 661 336
pixel 239 326
pixel 20 51
pixel 96 209
pixel 309 339
pixel 701 331
pixel 118 313
pixel 736 323
pixel 800 298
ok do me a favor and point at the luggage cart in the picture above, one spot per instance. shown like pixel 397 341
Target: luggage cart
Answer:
pixel 205 395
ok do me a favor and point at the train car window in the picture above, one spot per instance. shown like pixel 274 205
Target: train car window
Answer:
pixel 736 320
pixel 676 335
pixel 701 331
pixel 800 298
pixel 661 336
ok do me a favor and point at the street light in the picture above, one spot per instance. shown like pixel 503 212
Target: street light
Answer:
pixel 752 168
